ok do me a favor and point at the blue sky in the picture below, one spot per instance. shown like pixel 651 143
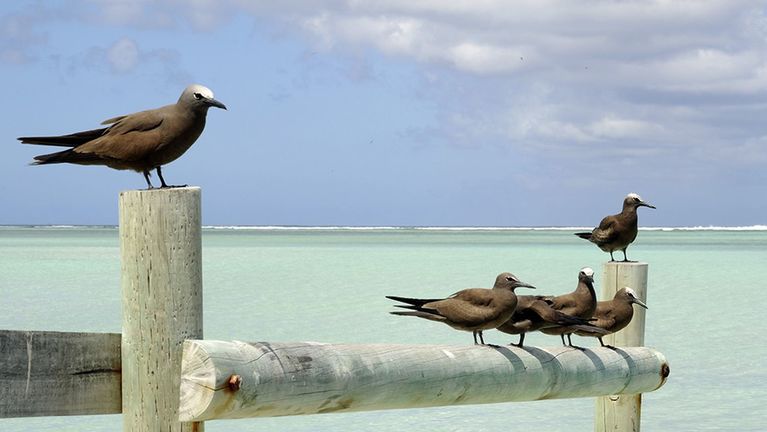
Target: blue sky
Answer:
pixel 482 112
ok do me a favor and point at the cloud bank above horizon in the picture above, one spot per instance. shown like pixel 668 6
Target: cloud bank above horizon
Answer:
pixel 580 92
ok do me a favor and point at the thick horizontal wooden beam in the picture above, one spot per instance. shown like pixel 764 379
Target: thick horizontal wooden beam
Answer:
pixel 46 373
pixel 237 380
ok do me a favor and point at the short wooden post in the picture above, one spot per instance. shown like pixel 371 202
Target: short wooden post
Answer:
pixel 161 260
pixel 621 413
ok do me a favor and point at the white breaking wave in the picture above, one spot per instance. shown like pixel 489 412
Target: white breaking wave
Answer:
pixel 467 228
pixel 403 228
pixel 708 228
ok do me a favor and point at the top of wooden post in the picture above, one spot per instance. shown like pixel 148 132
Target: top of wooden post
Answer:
pixel 626 263
pixel 162 190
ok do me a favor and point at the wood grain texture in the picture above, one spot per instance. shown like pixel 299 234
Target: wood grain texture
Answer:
pixel 45 373
pixel 279 379
pixel 622 413
pixel 161 256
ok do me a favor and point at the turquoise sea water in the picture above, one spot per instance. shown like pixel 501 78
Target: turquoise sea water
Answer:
pixel 706 294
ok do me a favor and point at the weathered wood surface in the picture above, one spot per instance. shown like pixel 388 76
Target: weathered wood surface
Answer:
pixel 237 379
pixel 161 256
pixel 44 373
pixel 622 413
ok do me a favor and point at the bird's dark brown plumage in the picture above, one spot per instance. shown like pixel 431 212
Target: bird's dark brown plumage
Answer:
pixel 142 141
pixel 534 313
pixel 618 231
pixel 611 315
pixel 473 309
pixel 580 303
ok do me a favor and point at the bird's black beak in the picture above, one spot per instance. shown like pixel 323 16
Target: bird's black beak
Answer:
pixel 215 103
pixel 640 303
pixel 644 204
pixel 521 284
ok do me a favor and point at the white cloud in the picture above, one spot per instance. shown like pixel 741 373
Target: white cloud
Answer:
pixel 20 34
pixel 612 127
pixel 123 55
pixel 535 74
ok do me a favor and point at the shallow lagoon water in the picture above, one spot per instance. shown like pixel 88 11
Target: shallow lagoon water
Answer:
pixel 705 294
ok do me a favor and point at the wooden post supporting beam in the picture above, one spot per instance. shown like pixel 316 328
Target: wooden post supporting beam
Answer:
pixel 237 380
pixel 161 258
pixel 621 413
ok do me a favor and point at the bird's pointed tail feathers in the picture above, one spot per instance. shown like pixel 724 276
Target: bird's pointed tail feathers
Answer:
pixel 420 314
pixel 71 140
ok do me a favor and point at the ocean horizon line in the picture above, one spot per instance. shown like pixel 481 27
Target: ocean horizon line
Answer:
pixel 404 228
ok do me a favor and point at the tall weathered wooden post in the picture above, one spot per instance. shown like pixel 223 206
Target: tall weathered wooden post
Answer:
pixel 161 260
pixel 621 413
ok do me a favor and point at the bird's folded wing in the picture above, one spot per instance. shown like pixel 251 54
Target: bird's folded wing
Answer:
pixel 113 120
pixel 131 138
pixel 605 233
pixel 604 322
pixel 469 307
pixel 139 122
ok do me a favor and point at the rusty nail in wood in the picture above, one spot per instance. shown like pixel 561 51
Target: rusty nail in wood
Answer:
pixel 234 382
pixel 665 370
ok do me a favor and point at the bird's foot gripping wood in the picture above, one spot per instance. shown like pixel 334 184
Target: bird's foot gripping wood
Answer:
pixel 521 340
pixel 163 185
pixel 606 345
pixel 570 343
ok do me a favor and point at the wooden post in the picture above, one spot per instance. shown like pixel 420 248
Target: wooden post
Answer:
pixel 161 260
pixel 621 413
pixel 222 379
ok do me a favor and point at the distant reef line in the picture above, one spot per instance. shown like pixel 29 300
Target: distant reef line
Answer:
pixel 400 228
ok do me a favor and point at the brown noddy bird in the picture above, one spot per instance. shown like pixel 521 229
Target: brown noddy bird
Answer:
pixel 534 313
pixel 142 142
pixel 618 231
pixel 472 309
pixel 580 303
pixel 611 315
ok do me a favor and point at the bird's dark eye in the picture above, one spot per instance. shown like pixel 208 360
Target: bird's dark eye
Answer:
pixel 509 278
pixel 197 96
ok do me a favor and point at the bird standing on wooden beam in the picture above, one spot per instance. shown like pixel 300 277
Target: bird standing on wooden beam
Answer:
pixel 472 309
pixel 142 142
pixel 618 231
pixel 611 315
pixel 580 303
pixel 535 313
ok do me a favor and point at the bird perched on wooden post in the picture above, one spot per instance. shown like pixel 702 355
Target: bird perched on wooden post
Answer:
pixel 611 315
pixel 142 142
pixel 472 309
pixel 618 231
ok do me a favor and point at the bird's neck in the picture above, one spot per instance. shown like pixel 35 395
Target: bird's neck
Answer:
pixel 629 214
pixel 629 209
pixel 586 288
